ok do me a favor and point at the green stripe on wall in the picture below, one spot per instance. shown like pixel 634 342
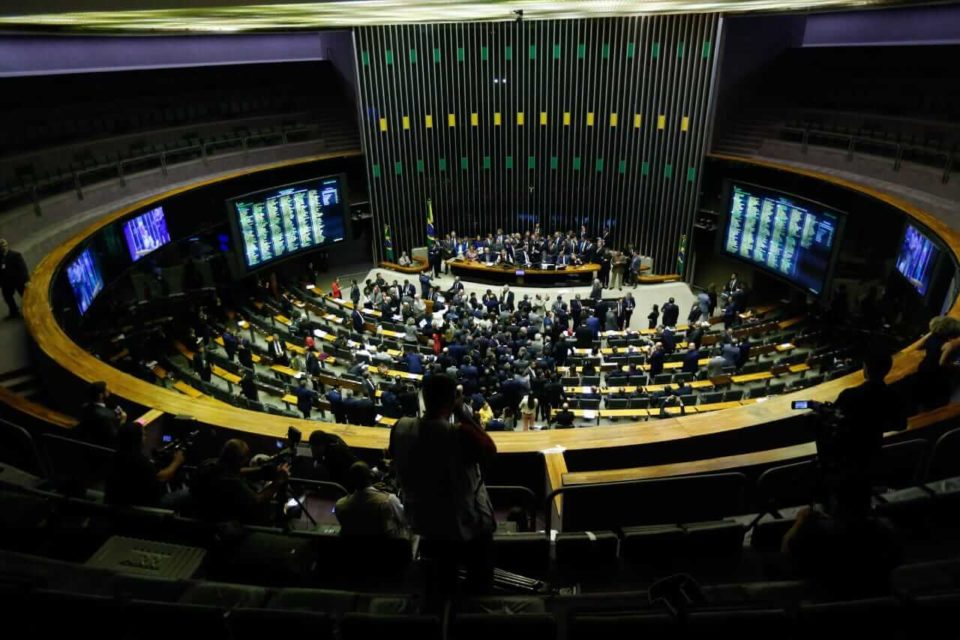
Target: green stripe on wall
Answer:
pixel 631 49
pixel 436 54
pixel 645 168
pixel 413 56
pixel 533 52
pixel 376 170
pixel 554 162
pixel 509 162
pixel 576 163
pixel 556 51
pixel 398 168
pixel 365 58
pixel 443 164
pixel 668 171
pixel 581 50
pixel 508 52
pixel 680 50
pixel 388 54
pixel 707 45
pixel 655 50
pixel 622 166
pixel 419 165
pixel 598 166
pixel 484 53
pixel 691 174
pixel 486 162
pixel 605 51
pixel 460 54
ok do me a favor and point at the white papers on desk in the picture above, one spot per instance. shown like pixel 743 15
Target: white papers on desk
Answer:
pixel 589 415
pixel 311 287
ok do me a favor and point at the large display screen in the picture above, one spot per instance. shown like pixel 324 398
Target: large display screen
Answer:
pixel 85 279
pixel 916 259
pixel 146 233
pixel 283 221
pixel 785 235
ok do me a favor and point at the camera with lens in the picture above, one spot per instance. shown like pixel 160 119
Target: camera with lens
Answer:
pixel 287 452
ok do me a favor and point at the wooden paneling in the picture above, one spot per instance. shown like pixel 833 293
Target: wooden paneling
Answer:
pixel 552 121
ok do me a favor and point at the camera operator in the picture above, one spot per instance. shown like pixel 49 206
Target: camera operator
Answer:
pixel 438 458
pixel 330 461
pixel 842 542
pixel 223 488
pixel 134 479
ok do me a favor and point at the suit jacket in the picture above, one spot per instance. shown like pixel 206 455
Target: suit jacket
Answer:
pixel 13 270
pixel 98 425
pixel 508 300
pixel 278 350
pixel 671 312
pixel 357 319
pixel 690 361
pixel 245 357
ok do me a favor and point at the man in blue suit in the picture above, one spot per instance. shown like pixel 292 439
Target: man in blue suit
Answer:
pixel 691 360
pixel 357 319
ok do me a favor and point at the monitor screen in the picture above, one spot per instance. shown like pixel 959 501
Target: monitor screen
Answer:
pixel 916 258
pixel 284 221
pixel 145 233
pixel 85 279
pixel 785 235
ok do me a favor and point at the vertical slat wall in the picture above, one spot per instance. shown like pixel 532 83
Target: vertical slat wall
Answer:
pixel 559 122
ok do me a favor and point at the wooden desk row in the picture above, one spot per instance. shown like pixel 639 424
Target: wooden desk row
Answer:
pixel 590 414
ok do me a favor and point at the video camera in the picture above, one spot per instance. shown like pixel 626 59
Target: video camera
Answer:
pixel 286 454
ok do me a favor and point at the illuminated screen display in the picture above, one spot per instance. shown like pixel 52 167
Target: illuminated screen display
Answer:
pixel 916 259
pixel 283 221
pixel 789 237
pixel 146 233
pixel 85 279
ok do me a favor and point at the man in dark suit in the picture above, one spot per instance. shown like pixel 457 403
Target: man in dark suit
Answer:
pixel 565 418
pixel 244 355
pixel 656 360
pixel 13 276
pixel 671 313
pixel 305 398
pixel 278 351
pixel 435 258
pixel 336 405
pixel 356 319
pixel 669 340
pixel 691 360
pixel 355 294
pixel 230 343
pixel 200 365
pixel 576 309
pixel 248 387
pixel 369 387
pixel 98 423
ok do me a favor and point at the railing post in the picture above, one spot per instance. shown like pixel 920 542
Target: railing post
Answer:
pixel 850 146
pixel 244 142
pixel 77 185
pixel 946 169
pixel 123 178
pixel 163 162
pixel 898 158
pixel 805 141
pixel 37 211
pixel 203 152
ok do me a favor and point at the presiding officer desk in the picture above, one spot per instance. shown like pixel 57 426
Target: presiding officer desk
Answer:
pixel 564 275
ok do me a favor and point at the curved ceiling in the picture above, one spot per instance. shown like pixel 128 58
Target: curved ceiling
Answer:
pixel 225 16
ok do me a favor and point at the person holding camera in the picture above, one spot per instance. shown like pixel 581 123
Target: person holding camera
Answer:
pixel 134 478
pixel 438 459
pixel 98 423
pixel 223 488
pixel 370 510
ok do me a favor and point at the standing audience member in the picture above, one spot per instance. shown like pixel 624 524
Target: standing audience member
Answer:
pixel 445 499
pixel 653 317
pixel 13 277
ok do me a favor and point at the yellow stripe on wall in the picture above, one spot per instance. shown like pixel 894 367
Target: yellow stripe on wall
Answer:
pixel 383 124
pixel 566 118
pixel 543 117
pixel 685 123
pixel 520 118
pixel 661 121
pixel 637 120
pixel 406 122
pixel 428 121
pixel 590 118
pixel 497 119
pixel 451 119
pixel 613 119
pixel 474 119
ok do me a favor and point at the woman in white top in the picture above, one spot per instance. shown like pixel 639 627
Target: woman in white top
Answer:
pixel 528 410
pixel 405 260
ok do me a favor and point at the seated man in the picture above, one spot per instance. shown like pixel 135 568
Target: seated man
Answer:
pixel 565 418
pixel 369 510
pixel 404 260
pixel 98 423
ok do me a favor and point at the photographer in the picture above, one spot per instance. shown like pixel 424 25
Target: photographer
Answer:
pixel 134 479
pixel 370 510
pixel 223 489
pixel 438 464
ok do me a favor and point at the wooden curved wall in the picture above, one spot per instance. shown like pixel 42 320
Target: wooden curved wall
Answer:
pixel 56 345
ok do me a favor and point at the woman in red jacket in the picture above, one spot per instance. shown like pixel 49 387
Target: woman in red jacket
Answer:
pixel 336 288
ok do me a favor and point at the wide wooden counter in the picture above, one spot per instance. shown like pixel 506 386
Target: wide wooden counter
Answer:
pixel 57 346
pixel 518 274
